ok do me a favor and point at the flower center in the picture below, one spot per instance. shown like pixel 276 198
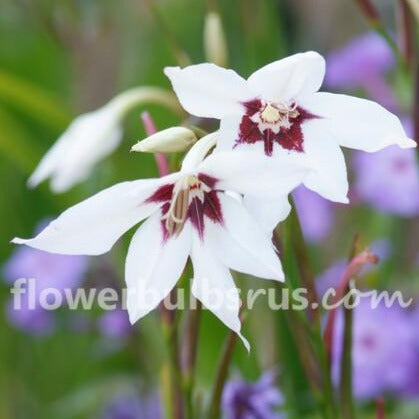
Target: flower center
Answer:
pixel 270 114
pixel 184 192
pixel 271 123
pixel 275 116
pixel 193 198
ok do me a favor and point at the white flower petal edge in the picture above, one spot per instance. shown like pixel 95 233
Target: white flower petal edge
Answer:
pixel 241 244
pixel 290 78
pixel 87 140
pixel 214 286
pixel 208 90
pixel 357 123
pixel 331 180
pixel 268 213
pixel 255 174
pixel 152 269
pixel 94 225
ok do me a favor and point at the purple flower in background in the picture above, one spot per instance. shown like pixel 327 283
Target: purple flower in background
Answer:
pixel 383 349
pixel 362 63
pixel 244 400
pixel 128 405
pixel 114 324
pixel 36 322
pixel 388 180
pixel 48 271
pixel 411 389
pixel 315 213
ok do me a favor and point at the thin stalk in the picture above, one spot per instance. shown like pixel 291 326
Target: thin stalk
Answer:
pixel 221 376
pixel 306 271
pixel 380 408
pixel 173 366
pixel 191 355
pixel 345 385
pixel 406 33
pixel 294 238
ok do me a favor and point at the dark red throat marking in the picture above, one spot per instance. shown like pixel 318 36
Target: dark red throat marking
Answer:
pixel 289 139
pixel 198 210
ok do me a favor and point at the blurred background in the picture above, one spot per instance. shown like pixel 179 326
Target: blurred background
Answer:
pixel 61 58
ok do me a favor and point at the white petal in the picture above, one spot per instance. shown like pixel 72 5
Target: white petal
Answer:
pixel 93 226
pixel 329 179
pixel 88 139
pixel 268 212
pixel 214 286
pixel 289 78
pixel 207 90
pixel 198 152
pixel 153 266
pixel 228 133
pixel 357 123
pixel 241 244
pixel 254 173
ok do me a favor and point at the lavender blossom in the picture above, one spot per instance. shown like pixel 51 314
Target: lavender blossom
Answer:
pixel 128 405
pixel 48 271
pixel 244 400
pixel 115 324
pixel 388 180
pixel 35 322
pixel 363 63
pixel 315 213
pixel 383 349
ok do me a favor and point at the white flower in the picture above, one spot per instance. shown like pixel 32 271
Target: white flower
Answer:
pixel 90 138
pixel 189 213
pixel 278 110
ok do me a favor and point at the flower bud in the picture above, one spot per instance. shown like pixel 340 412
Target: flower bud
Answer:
pixel 214 40
pixel 167 141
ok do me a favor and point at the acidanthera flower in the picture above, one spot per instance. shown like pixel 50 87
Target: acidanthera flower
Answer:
pixel 90 138
pixel 278 110
pixel 197 212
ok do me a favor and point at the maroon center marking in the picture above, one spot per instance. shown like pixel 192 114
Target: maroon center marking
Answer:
pixel 288 138
pixel 198 210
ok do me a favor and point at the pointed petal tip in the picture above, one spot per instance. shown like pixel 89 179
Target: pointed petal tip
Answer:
pixel 168 71
pixel 18 240
pixel 136 147
pixel 133 316
pixel 245 342
pixel 408 143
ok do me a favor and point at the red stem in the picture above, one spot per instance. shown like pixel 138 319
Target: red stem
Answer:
pixel 352 269
pixel 380 408
pixel 161 159
pixel 369 10
pixel 406 33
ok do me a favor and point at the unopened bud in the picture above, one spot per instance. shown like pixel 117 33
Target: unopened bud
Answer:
pixel 215 44
pixel 170 140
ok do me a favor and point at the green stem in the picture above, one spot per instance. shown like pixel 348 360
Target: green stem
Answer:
pixel 190 357
pixel 295 244
pixel 171 374
pixel 221 376
pixel 345 385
